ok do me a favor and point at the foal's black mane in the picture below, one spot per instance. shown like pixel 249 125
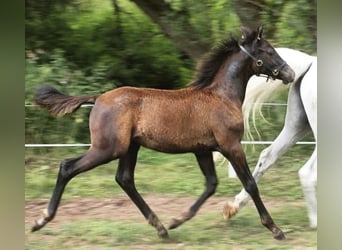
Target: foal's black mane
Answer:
pixel 210 65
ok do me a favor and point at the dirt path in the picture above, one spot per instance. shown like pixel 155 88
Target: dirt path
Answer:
pixel 122 208
pixel 118 208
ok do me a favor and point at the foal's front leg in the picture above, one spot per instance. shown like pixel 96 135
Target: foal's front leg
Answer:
pixel 236 156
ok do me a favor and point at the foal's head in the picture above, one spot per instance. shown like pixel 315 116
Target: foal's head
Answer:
pixel 266 59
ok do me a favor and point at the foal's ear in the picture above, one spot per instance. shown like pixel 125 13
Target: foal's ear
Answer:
pixel 260 30
pixel 246 33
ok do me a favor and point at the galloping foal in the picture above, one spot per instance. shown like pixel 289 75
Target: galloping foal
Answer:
pixel 202 118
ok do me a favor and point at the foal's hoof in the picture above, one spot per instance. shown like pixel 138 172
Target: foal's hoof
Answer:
pixel 42 221
pixel 38 225
pixel 229 211
pixel 279 235
pixel 163 234
pixel 175 223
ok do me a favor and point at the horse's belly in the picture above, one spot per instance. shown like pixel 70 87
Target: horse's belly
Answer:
pixel 173 142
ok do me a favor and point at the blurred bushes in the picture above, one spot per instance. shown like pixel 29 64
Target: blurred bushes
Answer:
pixel 121 46
pixel 296 28
pixel 89 47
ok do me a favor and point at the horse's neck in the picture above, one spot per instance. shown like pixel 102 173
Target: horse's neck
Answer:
pixel 231 80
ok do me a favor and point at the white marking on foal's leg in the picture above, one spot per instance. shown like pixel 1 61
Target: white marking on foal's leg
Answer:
pixel 42 221
pixel 45 213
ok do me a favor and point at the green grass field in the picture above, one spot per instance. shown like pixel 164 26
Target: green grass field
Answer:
pixel 176 176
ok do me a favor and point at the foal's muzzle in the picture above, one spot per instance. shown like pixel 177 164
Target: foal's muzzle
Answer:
pixel 286 74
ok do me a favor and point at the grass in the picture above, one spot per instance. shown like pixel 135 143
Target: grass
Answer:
pixel 207 231
pixel 175 175
pixel 162 173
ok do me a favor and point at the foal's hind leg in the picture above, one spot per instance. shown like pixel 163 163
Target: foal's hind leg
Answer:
pixel 125 178
pixel 207 166
pixel 69 168
pixel 237 157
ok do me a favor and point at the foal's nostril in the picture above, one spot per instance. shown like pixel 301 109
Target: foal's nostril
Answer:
pixel 289 73
pixel 292 75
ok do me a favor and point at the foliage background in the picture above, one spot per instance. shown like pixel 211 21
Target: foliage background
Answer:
pixel 93 46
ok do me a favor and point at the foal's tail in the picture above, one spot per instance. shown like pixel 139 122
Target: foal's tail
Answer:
pixel 60 104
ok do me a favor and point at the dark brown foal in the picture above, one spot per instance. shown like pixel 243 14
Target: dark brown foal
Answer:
pixel 199 119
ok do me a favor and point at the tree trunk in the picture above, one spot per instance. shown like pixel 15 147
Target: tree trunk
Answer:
pixel 250 14
pixel 176 25
pixel 248 11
